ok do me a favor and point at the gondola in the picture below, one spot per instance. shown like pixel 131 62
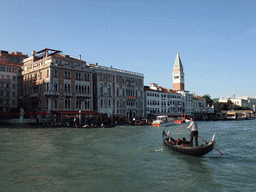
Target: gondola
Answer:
pixel 89 126
pixel 193 151
pixel 109 126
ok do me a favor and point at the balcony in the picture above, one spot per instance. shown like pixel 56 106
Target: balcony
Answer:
pixel 34 95
pixel 5 88
pixel 83 95
pixel 5 80
pixel 51 93
pixel 67 94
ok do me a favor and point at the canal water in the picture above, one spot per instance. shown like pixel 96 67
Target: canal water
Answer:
pixel 126 158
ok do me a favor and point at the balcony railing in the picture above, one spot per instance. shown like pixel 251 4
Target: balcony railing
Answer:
pixel 49 93
pixel 67 94
pixel 5 80
pixel 82 94
pixel 34 95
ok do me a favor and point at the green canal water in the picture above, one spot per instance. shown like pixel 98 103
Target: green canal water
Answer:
pixel 126 158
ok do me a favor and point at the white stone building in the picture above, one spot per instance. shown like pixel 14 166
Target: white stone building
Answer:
pixel 10 68
pixel 162 101
pixel 244 101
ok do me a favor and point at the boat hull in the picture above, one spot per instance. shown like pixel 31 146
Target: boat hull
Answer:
pixel 161 124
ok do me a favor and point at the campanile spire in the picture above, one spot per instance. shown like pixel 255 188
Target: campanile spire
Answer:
pixel 178 74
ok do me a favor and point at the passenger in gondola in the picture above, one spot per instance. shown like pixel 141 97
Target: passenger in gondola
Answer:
pixel 185 142
pixel 179 142
pixel 170 140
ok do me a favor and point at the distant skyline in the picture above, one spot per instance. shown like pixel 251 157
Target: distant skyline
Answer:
pixel 216 39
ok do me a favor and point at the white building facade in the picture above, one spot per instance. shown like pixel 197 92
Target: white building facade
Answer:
pixel 10 70
pixel 162 101
pixel 241 101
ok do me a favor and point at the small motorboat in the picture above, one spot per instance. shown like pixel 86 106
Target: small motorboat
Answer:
pixel 187 121
pixel 163 120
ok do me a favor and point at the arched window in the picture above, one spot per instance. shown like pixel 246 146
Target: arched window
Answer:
pixel 79 88
pixel 69 88
pixel 101 89
pixel 109 89
pixel 55 73
pixel 55 87
pixel 65 74
pixel 85 104
pixel 65 88
pixel 66 104
pixel 55 103
pixel 78 104
pixel 117 91
pixel 76 88
pixel 88 89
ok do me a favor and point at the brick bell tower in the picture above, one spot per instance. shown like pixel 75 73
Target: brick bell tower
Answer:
pixel 178 75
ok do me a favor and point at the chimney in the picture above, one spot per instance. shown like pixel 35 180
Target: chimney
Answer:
pixel 33 56
pixel 46 53
pixel 79 57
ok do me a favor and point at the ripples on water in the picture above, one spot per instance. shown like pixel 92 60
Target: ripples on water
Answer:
pixel 126 158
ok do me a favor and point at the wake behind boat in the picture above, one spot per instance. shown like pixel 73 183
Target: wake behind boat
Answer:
pixel 186 149
pixel 163 120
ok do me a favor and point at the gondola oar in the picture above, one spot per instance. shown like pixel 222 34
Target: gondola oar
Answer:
pixel 207 142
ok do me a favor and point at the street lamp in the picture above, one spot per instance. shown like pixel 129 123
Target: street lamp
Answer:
pixel 79 117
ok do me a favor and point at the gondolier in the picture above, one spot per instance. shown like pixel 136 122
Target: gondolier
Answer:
pixel 194 132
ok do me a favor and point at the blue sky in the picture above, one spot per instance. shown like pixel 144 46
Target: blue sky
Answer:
pixel 216 39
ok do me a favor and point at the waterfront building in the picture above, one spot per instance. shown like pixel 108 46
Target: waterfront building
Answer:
pixel 10 68
pixel 118 92
pixel 243 101
pixel 53 82
pixel 176 101
pixel 162 101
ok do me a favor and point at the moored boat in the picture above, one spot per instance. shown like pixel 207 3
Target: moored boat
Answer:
pixel 163 120
pixel 109 126
pixel 187 121
pixel 186 149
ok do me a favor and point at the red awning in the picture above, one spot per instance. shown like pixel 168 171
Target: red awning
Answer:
pixel 41 113
pixel 76 112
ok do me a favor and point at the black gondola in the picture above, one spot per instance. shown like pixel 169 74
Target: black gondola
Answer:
pixel 194 151
pixel 109 126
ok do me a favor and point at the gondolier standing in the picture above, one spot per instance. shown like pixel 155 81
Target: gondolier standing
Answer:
pixel 194 132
